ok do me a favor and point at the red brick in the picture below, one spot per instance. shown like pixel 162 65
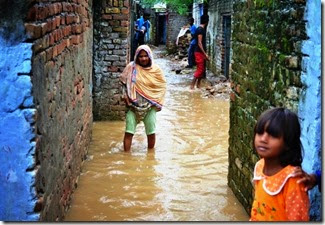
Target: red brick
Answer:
pixel 113 69
pixel 62 20
pixel 76 29
pixel 66 7
pixel 107 17
pixel 55 51
pixel 57 8
pixel 51 39
pixel 58 20
pixel 53 24
pixel 76 39
pixel 120 17
pixel 49 54
pixel 61 46
pixel 52 10
pixel 69 19
pixel 67 42
pixel 38 46
pixel 45 42
pixel 77 9
pixel 84 27
pixel 114 23
pixel 60 34
pixel 44 28
pixel 42 12
pixel 84 11
pixel 31 15
pixel 66 31
pixel 125 11
pixel 54 34
pixel 76 19
pixel 33 31
pixel 124 23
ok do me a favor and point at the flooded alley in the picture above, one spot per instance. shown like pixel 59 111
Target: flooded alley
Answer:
pixel 183 179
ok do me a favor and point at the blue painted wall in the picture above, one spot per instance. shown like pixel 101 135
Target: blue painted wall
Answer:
pixel 17 137
pixel 310 101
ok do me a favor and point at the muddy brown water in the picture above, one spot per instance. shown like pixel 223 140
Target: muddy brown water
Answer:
pixel 183 179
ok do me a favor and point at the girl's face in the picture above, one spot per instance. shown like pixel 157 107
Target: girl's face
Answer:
pixel 143 58
pixel 268 146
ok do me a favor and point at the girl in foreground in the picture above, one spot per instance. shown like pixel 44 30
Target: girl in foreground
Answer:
pixel 278 196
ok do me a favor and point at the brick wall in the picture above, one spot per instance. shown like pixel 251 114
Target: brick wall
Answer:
pixel 174 24
pixel 111 53
pixel 266 71
pixel 61 34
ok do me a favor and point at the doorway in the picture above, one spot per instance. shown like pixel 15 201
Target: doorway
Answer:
pixel 226 27
pixel 161 29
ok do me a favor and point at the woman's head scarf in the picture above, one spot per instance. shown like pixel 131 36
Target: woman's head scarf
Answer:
pixel 149 82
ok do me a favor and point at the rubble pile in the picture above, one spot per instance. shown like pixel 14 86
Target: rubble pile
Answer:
pixel 217 86
pixel 183 45
pixel 214 86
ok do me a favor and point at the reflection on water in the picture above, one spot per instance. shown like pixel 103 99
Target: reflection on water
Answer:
pixel 183 179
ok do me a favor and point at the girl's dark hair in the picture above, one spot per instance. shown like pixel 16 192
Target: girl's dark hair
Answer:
pixel 281 122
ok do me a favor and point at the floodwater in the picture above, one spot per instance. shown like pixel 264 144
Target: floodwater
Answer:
pixel 184 178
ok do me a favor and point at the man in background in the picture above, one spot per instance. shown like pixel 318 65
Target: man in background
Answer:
pixel 200 52
pixel 191 57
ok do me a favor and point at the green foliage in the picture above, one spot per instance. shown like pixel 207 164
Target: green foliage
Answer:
pixel 179 6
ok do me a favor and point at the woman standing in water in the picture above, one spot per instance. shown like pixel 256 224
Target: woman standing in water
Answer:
pixel 144 88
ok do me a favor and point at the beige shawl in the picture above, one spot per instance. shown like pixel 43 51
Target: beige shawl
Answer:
pixel 149 82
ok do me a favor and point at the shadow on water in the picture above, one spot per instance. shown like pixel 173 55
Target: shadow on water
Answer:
pixel 183 179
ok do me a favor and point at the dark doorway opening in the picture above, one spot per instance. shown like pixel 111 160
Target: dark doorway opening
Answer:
pixel 161 29
pixel 226 27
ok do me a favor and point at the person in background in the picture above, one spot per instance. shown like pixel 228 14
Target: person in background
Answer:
pixel 144 88
pixel 142 26
pixel 191 57
pixel 200 51
pixel 147 35
pixel 278 196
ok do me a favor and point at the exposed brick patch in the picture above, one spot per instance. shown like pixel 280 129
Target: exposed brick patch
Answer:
pixel 111 55
pixel 57 21
pixel 62 50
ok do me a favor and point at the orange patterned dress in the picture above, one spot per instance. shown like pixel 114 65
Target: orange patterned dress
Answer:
pixel 278 197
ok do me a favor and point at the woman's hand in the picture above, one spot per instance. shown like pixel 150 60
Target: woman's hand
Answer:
pixel 309 180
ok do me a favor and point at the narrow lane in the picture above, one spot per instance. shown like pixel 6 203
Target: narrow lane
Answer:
pixel 183 179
